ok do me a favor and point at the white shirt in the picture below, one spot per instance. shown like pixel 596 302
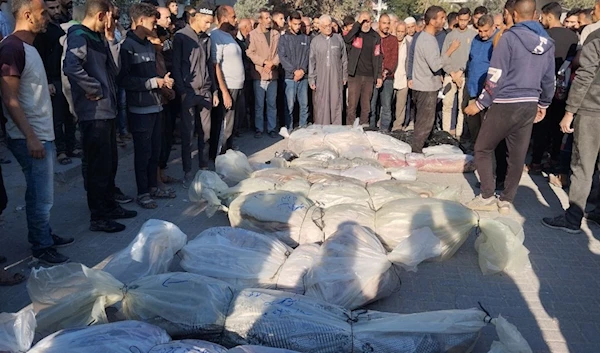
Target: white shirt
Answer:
pixel 400 80
pixel 587 31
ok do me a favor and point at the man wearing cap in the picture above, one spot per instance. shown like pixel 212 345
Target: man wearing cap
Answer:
pixel 411 27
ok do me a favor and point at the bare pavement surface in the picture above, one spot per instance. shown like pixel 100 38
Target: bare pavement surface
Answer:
pixel 555 304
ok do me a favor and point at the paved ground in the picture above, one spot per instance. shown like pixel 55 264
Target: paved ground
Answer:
pixel 555 304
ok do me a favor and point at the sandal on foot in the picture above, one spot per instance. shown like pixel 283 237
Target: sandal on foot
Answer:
pixel 145 201
pixel 167 179
pixel 76 153
pixel 10 279
pixel 163 194
pixel 63 159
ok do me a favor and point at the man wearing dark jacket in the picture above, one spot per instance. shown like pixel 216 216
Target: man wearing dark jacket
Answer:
pixel 518 89
pixel 294 51
pixel 139 77
pixel 90 69
pixel 195 84
pixel 364 67
pixel 582 111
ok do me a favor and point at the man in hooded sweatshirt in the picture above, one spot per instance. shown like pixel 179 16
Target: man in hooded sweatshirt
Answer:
pixel 518 90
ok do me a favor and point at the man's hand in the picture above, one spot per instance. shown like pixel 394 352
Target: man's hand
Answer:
pixel 379 83
pixel 109 26
pixel 269 65
pixel 313 86
pixel 458 78
pixel 52 89
pixel 216 100
pixel 565 123
pixel 453 46
pixel 298 75
pixel 345 82
pixel 93 97
pixel 169 81
pixel 227 101
pixel 384 74
pixel 472 109
pixel 541 113
pixel 410 84
pixel 36 148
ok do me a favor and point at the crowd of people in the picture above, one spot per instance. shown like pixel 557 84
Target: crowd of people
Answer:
pixel 492 81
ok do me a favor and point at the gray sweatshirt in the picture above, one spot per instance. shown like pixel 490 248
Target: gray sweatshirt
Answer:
pixel 428 64
pixel 459 58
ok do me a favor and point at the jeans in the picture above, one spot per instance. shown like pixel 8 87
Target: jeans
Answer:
pixel 195 118
pixel 99 165
pixel 122 114
pixel 296 90
pixel 262 89
pixel 146 131
pixel 384 95
pixel 39 196
pixel 425 104
pixel 360 89
pixel 64 122
pixel 513 123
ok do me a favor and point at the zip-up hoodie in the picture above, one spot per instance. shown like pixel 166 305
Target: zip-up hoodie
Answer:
pixel 584 95
pixel 294 51
pixel 478 64
pixel 521 68
pixel 90 68
pixel 138 76
pixel 354 44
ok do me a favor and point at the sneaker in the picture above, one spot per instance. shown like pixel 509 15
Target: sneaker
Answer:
pixel 593 217
pixel 273 135
pixel 504 207
pixel 481 204
pixel 60 242
pixel 51 257
pixel 121 198
pixel 188 178
pixel 108 226
pixel 258 135
pixel 560 223
pixel 121 213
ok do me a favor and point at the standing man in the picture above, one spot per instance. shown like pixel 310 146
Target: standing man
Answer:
pixel 477 13
pixel 364 67
pixel 455 72
pixel 411 27
pixel 328 73
pixel 426 76
pixel 583 108
pixel 385 94
pixel 67 11
pixel 307 22
pixel 28 109
pixel 592 27
pixel 294 52
pixel 498 22
pixel 571 20
pixel 547 132
pixel 400 80
pixel 50 49
pixel 194 82
pixel 173 8
pixel 227 58
pixel 244 29
pixel 279 22
pixel 519 88
pixel 262 50
pixel 90 68
pixel 6 27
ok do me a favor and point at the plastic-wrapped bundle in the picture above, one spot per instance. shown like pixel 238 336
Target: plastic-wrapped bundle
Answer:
pixel 299 186
pixel 450 221
pixel 118 337
pixel 150 253
pixel 321 154
pixel 403 173
pixel 352 269
pixel 306 139
pixel 511 340
pixel 17 331
pixel 500 246
pixel 205 187
pixel 285 320
pixel 247 186
pixel 240 257
pixel 428 332
pixel 308 163
pixel 350 144
pixel 447 163
pixel 366 174
pixel 279 214
pixel 340 163
pixel 331 177
pixel 386 191
pixel 183 304
pixel 295 268
pixel 332 218
pixel 233 166
pixel 436 191
pixel 331 194
pixel 380 142
pixel 259 349
pixel 392 159
pixel 280 175
pixel 188 346
pixel 442 150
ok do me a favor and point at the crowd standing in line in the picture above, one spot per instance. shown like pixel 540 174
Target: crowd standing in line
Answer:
pixel 492 81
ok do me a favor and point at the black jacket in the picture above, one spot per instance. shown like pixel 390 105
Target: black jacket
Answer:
pixel 294 51
pixel 137 75
pixel 354 50
pixel 50 49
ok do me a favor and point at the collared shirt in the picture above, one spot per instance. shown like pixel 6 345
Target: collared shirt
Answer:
pixel 400 79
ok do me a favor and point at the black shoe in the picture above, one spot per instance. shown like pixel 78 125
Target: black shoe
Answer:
pixel 60 242
pixel 51 256
pixel 593 217
pixel 273 135
pixel 121 213
pixel 121 198
pixel 258 135
pixel 107 226
pixel 560 223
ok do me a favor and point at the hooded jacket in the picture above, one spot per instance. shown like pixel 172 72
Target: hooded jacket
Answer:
pixel 354 47
pixel 521 68
pixel 90 68
pixel 294 52
pixel 478 64
pixel 584 95
pixel 138 76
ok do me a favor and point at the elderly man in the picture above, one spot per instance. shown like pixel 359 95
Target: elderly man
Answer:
pixel 411 27
pixel 364 67
pixel 328 73
pixel 307 23
pixel 400 80
pixel 498 21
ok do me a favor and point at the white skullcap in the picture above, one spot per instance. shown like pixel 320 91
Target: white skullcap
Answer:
pixel 410 20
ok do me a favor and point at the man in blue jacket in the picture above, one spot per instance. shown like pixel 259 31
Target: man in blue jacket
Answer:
pixel 294 51
pixel 518 89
